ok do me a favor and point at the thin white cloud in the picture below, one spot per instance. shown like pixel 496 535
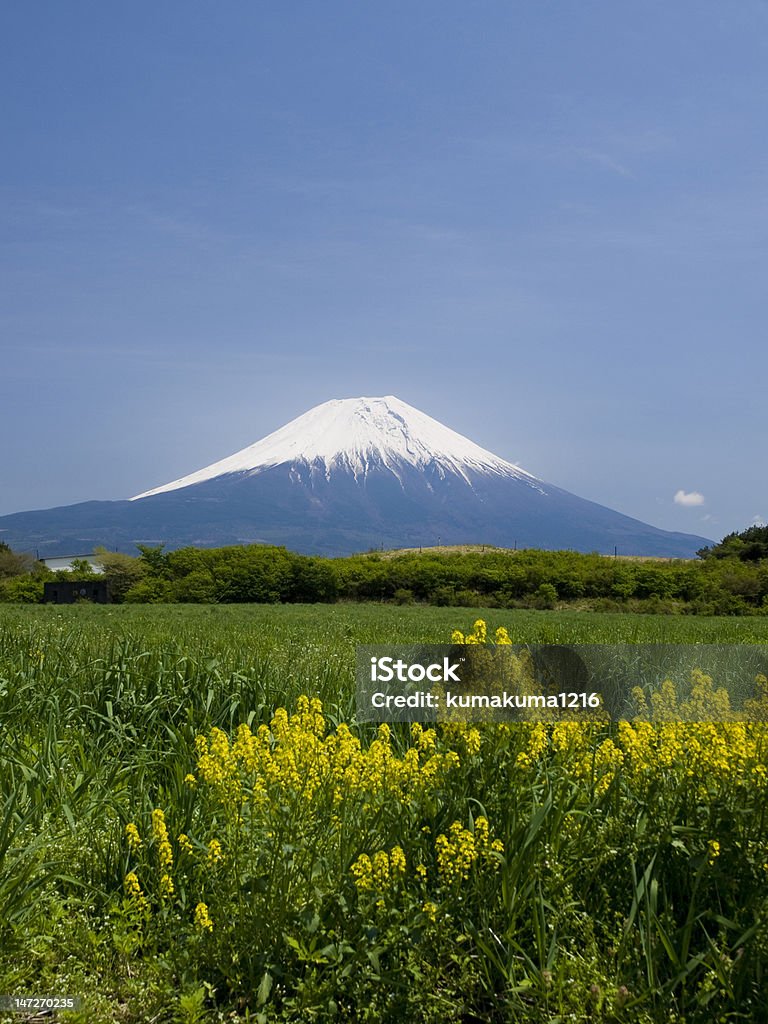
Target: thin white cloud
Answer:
pixel 688 498
pixel 604 160
pixel 758 520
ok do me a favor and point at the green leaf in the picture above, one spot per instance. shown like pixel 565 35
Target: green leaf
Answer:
pixel 265 987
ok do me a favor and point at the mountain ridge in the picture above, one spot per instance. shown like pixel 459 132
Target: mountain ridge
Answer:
pixel 350 475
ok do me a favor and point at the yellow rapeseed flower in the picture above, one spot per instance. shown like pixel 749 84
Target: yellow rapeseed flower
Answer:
pixel 132 886
pixel 299 757
pixel 430 909
pixel 133 837
pixel 472 742
pixel 133 890
pixel 380 872
pixel 380 869
pixel 167 889
pixel 456 853
pixel 202 918
pixel 160 833
pixel 397 860
pixel 362 873
pixel 459 850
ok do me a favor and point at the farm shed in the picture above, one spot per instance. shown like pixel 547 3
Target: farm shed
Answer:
pixel 72 591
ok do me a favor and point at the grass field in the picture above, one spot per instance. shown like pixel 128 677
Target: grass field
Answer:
pixel 175 848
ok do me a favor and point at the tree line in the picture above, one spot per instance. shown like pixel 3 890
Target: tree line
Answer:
pixel 730 578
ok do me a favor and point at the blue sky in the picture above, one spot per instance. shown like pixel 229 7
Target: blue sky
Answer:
pixel 544 224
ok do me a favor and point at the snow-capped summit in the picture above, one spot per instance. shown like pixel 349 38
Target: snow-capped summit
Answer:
pixel 357 435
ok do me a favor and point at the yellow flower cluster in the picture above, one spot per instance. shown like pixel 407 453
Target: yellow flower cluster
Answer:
pixel 134 892
pixel 501 671
pixel 164 853
pixel 460 850
pixel 380 872
pixel 217 764
pixel 572 739
pixel 479 635
pixel 203 920
pixel 699 736
pixel 600 765
pixel 537 741
pixel 463 735
pixel 160 833
pixel 133 837
pixel 215 853
pixel 704 702
pixel 297 755
pixel 167 889
pixel 711 754
pixel 424 739
pixel 430 909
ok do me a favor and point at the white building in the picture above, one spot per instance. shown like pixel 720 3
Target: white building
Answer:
pixel 64 562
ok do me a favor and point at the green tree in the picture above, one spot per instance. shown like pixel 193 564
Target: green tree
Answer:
pixel 313 580
pixel 27 589
pixel 14 564
pixel 545 596
pixel 121 571
pixel 751 545
pixel 81 568
pixel 150 590
pixel 156 560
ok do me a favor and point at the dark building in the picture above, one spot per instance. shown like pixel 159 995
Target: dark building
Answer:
pixel 72 591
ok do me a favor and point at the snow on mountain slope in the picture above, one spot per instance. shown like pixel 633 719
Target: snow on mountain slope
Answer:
pixel 355 434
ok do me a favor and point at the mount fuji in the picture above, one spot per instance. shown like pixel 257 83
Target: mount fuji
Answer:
pixel 349 475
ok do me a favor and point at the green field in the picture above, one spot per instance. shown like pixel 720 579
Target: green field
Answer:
pixel 498 874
